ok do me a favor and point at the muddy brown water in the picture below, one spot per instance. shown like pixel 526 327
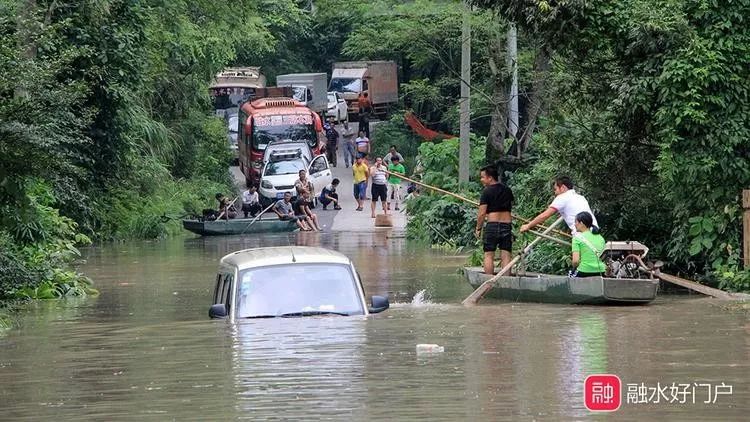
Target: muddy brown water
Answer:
pixel 144 349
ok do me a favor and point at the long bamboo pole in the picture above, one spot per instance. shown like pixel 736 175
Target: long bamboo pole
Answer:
pixel 457 196
pixel 257 218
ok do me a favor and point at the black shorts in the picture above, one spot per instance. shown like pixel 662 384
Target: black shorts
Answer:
pixel 581 274
pixel 497 236
pixel 379 191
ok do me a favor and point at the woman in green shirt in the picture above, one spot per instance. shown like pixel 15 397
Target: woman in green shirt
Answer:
pixel 588 244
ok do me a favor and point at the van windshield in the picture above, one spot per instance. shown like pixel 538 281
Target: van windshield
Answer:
pixel 280 290
pixel 276 168
pixel 346 85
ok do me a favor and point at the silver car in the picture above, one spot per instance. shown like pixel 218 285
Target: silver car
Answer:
pixel 289 281
pixel 282 169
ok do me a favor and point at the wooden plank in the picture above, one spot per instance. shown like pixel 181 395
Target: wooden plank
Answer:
pixel 746 228
pixel 474 297
pixel 710 291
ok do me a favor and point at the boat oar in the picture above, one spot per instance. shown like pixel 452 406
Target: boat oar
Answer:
pixel 257 218
pixel 435 188
pixel 473 298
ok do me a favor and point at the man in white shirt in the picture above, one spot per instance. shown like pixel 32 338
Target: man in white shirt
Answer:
pixel 363 144
pixel 568 203
pixel 250 202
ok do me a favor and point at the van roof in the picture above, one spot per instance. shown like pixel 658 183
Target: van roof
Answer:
pixel 261 257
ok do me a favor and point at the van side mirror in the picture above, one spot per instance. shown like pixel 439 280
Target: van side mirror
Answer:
pixel 217 311
pixel 378 304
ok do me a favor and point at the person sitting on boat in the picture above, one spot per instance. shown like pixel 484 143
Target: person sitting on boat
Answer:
pixel 303 183
pixel 301 209
pixel 568 203
pixel 588 245
pixel 495 204
pixel 226 207
pixel 283 208
pixel 250 201
pixel 329 195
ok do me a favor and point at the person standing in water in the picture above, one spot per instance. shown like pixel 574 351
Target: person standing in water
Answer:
pixel 494 205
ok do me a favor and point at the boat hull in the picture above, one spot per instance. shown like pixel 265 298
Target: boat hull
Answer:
pixel 238 226
pixel 543 288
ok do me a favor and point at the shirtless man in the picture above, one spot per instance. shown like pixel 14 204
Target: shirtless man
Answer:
pixel 494 204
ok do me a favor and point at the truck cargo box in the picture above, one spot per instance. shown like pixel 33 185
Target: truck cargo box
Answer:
pixel 315 94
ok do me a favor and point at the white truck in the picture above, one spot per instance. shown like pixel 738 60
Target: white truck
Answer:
pixel 309 89
pixel 378 78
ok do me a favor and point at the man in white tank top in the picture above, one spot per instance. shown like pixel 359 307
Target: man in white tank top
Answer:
pixel 568 203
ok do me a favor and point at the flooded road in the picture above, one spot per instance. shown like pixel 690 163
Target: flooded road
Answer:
pixel 144 349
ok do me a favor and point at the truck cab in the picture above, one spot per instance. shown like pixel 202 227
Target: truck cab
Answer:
pixel 268 120
pixel 377 78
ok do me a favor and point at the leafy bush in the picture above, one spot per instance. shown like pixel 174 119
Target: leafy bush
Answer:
pixel 34 259
pixel 150 205
pixel 395 132
pixel 439 218
pixel 733 279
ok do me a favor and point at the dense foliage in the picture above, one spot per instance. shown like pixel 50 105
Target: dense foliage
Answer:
pixel 104 107
pixel 650 112
pixel 106 127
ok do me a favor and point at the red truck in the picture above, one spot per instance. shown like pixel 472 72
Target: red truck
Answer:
pixel 275 119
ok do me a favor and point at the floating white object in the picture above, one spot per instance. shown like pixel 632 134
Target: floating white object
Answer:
pixel 423 349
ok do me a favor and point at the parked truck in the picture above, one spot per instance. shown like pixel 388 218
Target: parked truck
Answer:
pixel 377 78
pixel 277 120
pixel 309 89
pixel 233 86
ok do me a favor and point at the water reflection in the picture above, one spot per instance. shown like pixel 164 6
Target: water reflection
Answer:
pixel 294 368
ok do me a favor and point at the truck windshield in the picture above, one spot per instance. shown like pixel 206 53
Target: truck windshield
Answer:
pixel 298 289
pixel 346 85
pixel 265 131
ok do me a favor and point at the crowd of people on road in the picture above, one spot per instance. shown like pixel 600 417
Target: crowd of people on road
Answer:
pixel 383 175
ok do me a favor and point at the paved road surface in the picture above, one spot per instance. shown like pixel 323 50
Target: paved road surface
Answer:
pixel 347 219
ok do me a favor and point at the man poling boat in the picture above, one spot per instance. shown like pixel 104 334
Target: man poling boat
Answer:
pixel 621 259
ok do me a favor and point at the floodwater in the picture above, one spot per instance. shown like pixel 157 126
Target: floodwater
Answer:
pixel 145 350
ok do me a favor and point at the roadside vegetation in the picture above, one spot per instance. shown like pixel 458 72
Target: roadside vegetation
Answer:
pixel 645 104
pixel 106 129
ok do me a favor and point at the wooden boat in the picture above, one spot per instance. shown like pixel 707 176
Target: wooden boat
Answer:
pixel 545 288
pixel 238 226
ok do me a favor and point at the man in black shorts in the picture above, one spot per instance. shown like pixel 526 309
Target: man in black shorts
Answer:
pixel 495 204
pixel 379 185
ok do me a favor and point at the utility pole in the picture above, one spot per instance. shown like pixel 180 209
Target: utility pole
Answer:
pixel 463 150
pixel 512 63
pixel 746 228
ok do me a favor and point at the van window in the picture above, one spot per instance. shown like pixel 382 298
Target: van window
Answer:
pixel 219 289
pixel 364 84
pixel 226 296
